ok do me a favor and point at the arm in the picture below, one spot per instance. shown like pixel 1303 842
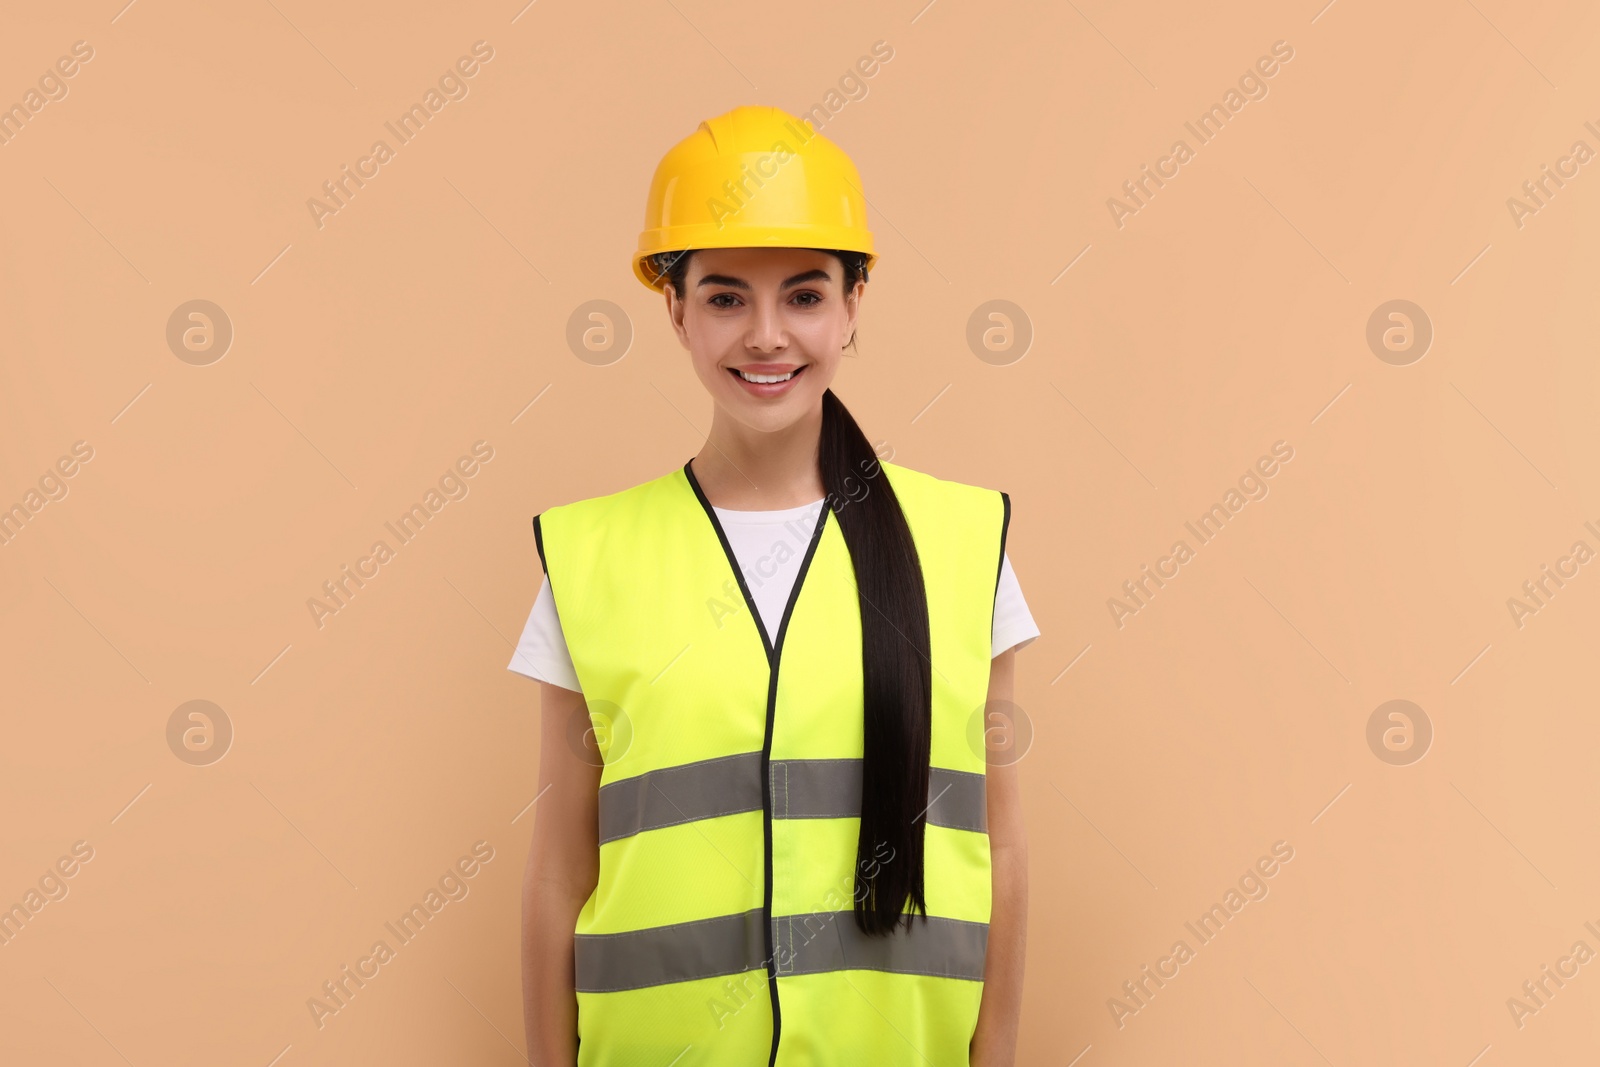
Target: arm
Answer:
pixel 994 1043
pixel 563 866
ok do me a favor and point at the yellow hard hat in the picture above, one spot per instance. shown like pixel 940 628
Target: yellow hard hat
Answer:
pixel 754 177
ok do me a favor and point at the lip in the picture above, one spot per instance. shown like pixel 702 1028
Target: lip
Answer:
pixel 769 389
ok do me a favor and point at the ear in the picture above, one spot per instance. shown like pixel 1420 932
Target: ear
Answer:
pixel 675 310
pixel 852 303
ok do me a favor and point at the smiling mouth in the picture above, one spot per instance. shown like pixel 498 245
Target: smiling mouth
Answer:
pixel 766 379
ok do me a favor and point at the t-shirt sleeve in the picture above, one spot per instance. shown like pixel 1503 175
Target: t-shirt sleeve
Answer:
pixel 542 651
pixel 1013 622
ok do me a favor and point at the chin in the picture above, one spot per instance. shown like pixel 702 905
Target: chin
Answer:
pixel 770 418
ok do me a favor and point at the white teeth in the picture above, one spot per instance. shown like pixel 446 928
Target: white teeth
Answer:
pixel 766 379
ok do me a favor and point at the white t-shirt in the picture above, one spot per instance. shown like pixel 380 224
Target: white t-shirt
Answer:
pixel 758 539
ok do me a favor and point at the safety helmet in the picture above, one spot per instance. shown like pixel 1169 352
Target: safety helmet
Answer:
pixel 753 177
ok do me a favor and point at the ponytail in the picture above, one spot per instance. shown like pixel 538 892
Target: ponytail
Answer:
pixel 896 673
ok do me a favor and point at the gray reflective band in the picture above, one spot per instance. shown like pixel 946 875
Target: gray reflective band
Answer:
pixel 805 944
pixel 704 948
pixel 831 941
pixel 801 789
pixel 685 793
pixel 816 788
pixel 831 789
pixel 958 800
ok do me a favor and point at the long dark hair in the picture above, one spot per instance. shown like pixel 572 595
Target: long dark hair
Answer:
pixel 896 669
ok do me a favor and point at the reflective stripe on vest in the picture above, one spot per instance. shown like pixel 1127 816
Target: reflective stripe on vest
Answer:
pixel 801 789
pixel 809 944
pixel 721 928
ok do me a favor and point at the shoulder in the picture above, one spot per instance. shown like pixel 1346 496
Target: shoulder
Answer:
pixel 945 492
pixel 621 500
pixel 609 516
pixel 971 510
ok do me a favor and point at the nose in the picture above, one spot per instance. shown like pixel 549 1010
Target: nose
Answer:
pixel 767 333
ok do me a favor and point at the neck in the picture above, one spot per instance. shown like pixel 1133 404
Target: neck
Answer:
pixel 745 469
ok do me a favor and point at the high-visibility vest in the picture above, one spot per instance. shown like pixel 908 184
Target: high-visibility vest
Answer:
pixel 721 930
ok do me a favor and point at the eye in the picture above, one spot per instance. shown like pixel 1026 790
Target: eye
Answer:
pixel 816 298
pixel 721 296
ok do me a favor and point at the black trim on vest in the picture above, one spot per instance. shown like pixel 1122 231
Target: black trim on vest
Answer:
pixel 538 541
pixel 999 568
pixel 774 650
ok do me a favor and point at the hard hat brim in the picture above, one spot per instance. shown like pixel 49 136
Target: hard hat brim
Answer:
pixel 696 238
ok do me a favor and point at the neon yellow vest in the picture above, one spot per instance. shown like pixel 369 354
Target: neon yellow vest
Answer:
pixel 721 932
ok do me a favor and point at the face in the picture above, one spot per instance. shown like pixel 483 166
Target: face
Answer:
pixel 767 313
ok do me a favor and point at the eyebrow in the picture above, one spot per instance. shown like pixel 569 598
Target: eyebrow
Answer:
pixel 739 283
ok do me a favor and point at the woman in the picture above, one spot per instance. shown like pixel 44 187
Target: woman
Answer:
pixel 785 648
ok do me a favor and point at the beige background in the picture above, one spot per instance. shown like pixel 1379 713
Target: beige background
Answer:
pixel 1228 313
